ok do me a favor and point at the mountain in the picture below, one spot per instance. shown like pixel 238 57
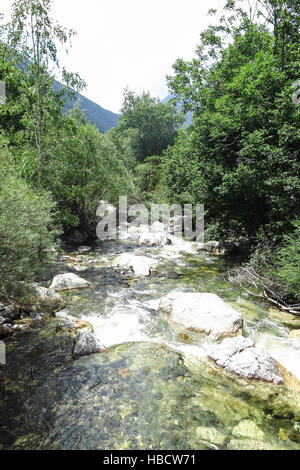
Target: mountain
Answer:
pixel 103 118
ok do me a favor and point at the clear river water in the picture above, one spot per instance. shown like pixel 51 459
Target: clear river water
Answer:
pixel 155 388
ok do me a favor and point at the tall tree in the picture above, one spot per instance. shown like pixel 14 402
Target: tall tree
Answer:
pixel 32 36
pixel 240 157
pixel 155 123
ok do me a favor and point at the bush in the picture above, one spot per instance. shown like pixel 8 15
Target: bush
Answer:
pixel 288 271
pixel 27 230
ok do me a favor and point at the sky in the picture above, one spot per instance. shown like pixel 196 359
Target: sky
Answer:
pixel 128 43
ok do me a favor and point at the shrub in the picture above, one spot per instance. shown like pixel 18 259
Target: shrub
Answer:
pixel 288 271
pixel 27 230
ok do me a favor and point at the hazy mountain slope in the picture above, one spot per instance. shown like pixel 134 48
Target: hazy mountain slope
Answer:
pixel 103 118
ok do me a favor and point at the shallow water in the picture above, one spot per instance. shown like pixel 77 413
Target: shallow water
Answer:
pixel 154 389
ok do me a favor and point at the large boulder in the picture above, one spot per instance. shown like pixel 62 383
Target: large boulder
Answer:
pixel 69 281
pixel 205 313
pixel 85 343
pixel 141 265
pixel 239 356
pixel 11 312
pixel 44 300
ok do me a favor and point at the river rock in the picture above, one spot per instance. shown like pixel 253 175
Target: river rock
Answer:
pixel 218 248
pixel 210 247
pixel 11 312
pixel 5 331
pixel 211 435
pixel 253 444
pixel 239 356
pixel 45 300
pixel 285 318
pixel 86 343
pixel 69 281
pixel 141 265
pixel 154 238
pixel 249 429
pixel 295 334
pixel 84 249
pixel 73 323
pixel 205 313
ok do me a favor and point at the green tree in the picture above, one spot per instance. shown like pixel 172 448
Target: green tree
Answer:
pixel 155 123
pixel 31 38
pixel 240 156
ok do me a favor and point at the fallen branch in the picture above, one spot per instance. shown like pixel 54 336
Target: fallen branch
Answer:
pixel 245 276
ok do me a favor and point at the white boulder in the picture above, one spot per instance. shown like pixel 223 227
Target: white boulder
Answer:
pixel 141 265
pixel 239 356
pixel 205 313
pixel 69 281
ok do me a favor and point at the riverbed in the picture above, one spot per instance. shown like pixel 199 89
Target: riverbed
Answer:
pixel 154 388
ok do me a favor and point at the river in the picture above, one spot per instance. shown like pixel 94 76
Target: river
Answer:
pixel 155 387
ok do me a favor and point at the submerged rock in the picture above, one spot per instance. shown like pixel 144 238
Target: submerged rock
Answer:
pixel 141 265
pixel 69 281
pixel 70 322
pixel 85 343
pixel 253 444
pixel 248 428
pixel 286 319
pixel 211 435
pixel 239 356
pixel 203 312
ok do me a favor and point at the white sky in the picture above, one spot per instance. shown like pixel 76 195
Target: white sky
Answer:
pixel 128 42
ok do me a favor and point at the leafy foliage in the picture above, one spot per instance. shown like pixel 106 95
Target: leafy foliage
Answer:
pixel 27 229
pixel 240 155
pixel 288 271
pixel 155 123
